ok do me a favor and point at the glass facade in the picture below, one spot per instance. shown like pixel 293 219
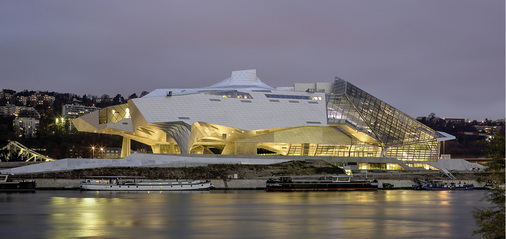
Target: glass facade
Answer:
pixel 396 134
pixel 296 97
pixel 113 114
pixel 355 149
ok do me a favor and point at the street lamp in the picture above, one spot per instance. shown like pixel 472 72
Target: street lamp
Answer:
pixel 93 150
pixel 102 150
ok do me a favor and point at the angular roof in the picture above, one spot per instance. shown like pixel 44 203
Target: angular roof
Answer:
pixel 375 118
pixel 246 79
pixel 240 80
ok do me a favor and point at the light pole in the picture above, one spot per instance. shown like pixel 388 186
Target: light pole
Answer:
pixel 93 150
pixel 102 151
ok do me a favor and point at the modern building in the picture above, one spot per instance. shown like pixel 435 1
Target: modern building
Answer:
pixel 241 115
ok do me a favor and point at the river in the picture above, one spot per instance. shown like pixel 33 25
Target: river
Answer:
pixel 239 214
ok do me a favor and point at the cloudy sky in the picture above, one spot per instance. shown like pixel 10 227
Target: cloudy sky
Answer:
pixel 420 56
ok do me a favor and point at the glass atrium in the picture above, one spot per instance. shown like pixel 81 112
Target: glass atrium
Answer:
pixel 394 133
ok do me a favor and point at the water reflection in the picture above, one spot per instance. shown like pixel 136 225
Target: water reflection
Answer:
pixel 244 214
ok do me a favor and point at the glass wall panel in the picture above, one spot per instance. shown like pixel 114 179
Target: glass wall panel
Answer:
pixel 295 150
pixel 402 136
pixel 113 114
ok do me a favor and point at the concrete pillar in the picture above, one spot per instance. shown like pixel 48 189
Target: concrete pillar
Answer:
pixel 172 149
pixel 305 149
pixel 125 147
pixel 384 152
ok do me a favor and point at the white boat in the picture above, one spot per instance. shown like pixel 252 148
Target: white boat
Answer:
pixel 126 183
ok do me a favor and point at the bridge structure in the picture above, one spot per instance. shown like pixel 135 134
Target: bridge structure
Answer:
pixel 14 147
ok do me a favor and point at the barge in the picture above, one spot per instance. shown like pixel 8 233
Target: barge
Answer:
pixel 8 185
pixel 320 183
pixel 440 185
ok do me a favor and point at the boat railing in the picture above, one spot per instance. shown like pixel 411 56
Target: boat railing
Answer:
pixel 342 179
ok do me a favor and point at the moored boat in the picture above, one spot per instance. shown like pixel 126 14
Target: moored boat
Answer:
pixel 126 183
pixel 320 183
pixel 439 185
pixel 8 185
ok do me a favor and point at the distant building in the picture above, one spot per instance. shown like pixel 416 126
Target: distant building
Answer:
pixel 7 110
pixel 26 126
pixel 455 120
pixel 7 94
pixel 12 110
pixel 72 111
pixel 39 98
pixel 47 99
pixel 487 129
pixel 21 100
pixel 111 153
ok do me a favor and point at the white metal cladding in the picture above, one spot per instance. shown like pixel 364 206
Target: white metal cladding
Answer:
pixel 239 80
pixel 248 114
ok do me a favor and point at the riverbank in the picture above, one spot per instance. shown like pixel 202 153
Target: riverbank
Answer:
pixel 245 176
pixel 235 184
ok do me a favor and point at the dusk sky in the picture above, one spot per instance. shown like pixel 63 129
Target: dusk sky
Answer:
pixel 420 56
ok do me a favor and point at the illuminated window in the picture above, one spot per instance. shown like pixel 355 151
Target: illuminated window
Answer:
pixel 298 97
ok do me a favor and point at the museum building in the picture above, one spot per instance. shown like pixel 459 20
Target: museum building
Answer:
pixel 241 115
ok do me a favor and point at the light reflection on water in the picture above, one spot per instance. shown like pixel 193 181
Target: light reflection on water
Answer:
pixel 239 214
